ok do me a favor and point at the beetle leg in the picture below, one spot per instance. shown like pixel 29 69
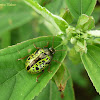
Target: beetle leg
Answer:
pixel 49 69
pixel 56 61
pixel 23 57
pixel 36 46
pixel 46 45
pixel 39 76
pixel 49 66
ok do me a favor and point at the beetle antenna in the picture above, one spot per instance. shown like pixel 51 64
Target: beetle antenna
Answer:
pixel 60 50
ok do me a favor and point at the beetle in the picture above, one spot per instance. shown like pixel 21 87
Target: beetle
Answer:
pixel 40 59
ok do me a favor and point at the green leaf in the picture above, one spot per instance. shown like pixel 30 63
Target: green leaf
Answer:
pixel 50 5
pixel 5 40
pixel 91 61
pixel 15 80
pixel 14 16
pixel 85 22
pixel 67 17
pixel 78 7
pixel 50 92
pixel 81 46
pixel 27 31
pixel 55 9
pixel 61 77
pixel 63 80
pixel 76 71
pixel 57 21
pixel 96 14
pixel 74 56
pixel 95 33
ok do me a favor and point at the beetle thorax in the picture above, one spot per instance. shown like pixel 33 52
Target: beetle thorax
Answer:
pixel 52 50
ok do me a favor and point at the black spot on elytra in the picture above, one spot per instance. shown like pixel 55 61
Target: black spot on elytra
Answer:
pixel 37 60
pixel 48 63
pixel 32 56
pixel 43 61
pixel 31 65
pixel 45 53
pixel 29 58
pixel 28 67
pixel 47 59
pixel 43 66
pixel 36 64
pixel 37 68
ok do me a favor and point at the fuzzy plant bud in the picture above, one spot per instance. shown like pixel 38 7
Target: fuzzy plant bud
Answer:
pixel 73 40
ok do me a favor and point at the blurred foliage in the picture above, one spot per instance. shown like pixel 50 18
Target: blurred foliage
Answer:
pixel 19 22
